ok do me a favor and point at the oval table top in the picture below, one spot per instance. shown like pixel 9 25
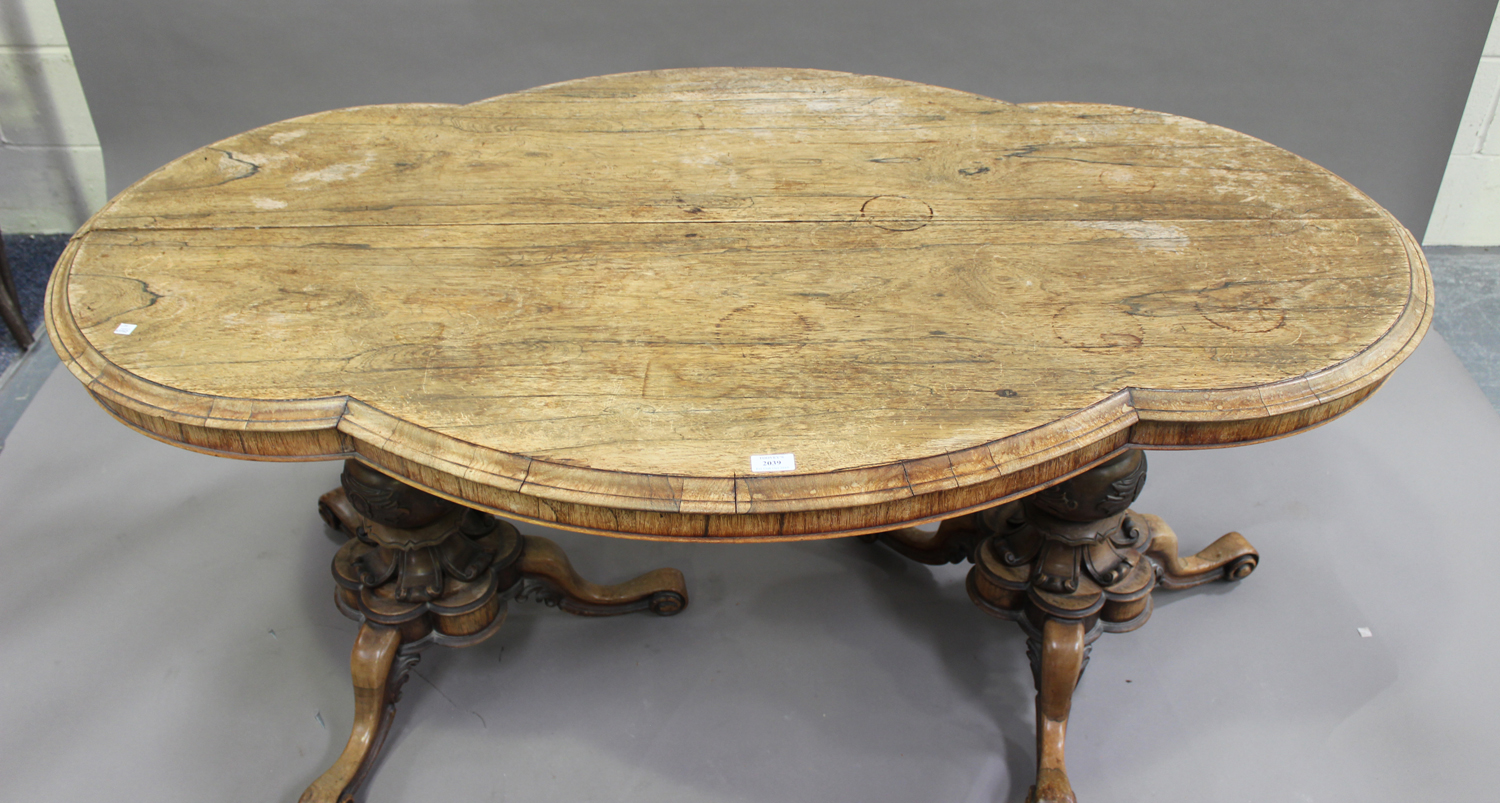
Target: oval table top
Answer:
pixel 592 304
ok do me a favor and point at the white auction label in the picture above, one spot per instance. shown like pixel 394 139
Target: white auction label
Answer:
pixel 773 462
pixel 124 328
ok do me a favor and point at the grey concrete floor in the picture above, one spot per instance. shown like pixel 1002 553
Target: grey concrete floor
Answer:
pixel 169 635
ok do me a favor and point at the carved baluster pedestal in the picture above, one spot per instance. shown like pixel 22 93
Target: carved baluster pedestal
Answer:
pixel 1068 563
pixel 421 570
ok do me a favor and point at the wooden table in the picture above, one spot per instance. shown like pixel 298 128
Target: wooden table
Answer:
pixel 737 305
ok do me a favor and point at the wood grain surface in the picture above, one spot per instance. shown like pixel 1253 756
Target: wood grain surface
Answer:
pixel 591 303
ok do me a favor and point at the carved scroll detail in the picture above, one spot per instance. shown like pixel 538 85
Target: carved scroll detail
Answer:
pixel 420 570
pixel 1069 563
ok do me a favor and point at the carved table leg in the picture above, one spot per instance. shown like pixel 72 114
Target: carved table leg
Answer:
pixel 1068 563
pixel 1059 666
pixel 420 570
pixel 556 583
pixel 1229 558
pixel 953 542
pixel 377 689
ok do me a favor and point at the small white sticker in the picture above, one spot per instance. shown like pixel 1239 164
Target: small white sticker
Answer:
pixel 1364 632
pixel 772 462
pixel 124 328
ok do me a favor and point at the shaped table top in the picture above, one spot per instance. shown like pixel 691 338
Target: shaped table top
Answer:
pixel 592 303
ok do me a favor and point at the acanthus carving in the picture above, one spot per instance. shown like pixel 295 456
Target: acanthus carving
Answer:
pixel 1073 561
pixel 420 570
pixel 1034 652
pixel 414 554
pixel 665 602
pixel 407 658
pixel 388 501
pixel 1074 565
pixel 1101 492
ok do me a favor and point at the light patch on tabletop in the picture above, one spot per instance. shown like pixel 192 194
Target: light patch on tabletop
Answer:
pixel 706 158
pixel 1145 233
pixel 339 172
pixel 287 136
pixel 267 203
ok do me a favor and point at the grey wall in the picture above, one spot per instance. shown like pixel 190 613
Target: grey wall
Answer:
pixel 1372 89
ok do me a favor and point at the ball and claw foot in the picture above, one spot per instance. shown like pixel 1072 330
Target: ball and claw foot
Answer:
pixel 1063 651
pixel 1051 787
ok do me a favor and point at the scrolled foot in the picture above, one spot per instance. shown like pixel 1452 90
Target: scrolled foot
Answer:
pixel 553 580
pixel 1229 558
pixel 667 603
pixel 1240 567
